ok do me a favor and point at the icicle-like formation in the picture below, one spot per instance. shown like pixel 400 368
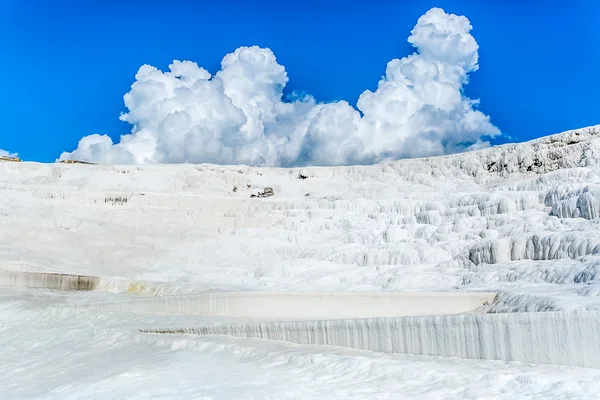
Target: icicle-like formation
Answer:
pixel 563 338
pixel 545 246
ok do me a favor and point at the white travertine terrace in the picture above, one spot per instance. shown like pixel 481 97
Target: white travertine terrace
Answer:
pixel 518 219
pixel 494 253
pixel 562 338
pixel 417 323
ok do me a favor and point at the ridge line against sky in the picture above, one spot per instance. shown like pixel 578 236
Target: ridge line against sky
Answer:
pixel 249 111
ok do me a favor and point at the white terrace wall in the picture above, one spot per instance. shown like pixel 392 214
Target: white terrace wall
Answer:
pixel 563 338
pixel 48 280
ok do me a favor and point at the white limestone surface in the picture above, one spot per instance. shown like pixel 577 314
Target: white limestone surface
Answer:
pixel 521 220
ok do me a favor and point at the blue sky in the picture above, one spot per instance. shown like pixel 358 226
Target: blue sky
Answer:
pixel 66 64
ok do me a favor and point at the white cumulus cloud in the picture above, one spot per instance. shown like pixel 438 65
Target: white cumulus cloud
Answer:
pixel 239 116
pixel 4 153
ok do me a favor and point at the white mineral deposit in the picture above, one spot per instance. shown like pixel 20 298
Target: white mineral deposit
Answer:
pixel 466 276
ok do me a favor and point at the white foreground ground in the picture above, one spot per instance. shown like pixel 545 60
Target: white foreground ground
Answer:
pixel 518 219
pixel 65 354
